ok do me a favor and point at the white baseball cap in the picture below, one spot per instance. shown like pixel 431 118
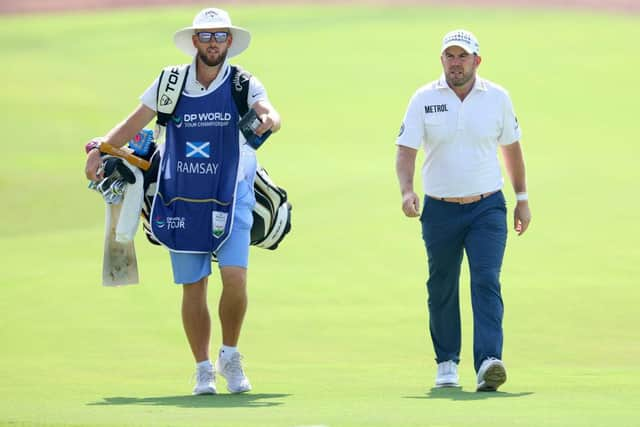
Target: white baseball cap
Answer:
pixel 212 18
pixel 462 38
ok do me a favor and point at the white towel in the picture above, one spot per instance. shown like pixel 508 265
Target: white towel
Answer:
pixel 131 207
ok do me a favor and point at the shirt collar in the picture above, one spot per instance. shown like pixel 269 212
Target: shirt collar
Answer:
pixel 194 86
pixel 479 84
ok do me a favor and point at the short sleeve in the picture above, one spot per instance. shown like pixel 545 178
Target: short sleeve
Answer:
pixel 510 126
pixel 150 96
pixel 412 129
pixel 257 92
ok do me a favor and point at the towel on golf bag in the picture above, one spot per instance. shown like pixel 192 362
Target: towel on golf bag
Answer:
pixel 122 184
pixel 131 207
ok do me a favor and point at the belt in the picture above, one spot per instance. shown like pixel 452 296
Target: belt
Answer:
pixel 465 200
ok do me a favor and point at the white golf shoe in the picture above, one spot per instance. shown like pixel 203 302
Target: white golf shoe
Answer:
pixel 491 375
pixel 205 381
pixel 447 375
pixel 231 369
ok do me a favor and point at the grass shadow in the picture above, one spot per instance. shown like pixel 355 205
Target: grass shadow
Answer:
pixel 457 393
pixel 245 400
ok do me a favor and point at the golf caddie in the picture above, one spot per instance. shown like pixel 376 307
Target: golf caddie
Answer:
pixel 204 198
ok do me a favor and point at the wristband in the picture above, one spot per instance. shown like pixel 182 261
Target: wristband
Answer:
pixel 522 196
pixel 94 143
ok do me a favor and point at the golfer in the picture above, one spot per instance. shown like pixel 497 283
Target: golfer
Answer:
pixel 460 120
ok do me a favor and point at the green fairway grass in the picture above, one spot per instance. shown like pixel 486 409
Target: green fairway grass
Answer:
pixel 336 332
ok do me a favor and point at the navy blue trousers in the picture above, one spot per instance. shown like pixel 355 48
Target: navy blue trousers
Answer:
pixel 480 230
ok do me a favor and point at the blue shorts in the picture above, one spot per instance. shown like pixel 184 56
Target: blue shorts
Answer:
pixel 189 268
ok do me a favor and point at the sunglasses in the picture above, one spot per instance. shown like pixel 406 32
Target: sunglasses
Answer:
pixel 217 36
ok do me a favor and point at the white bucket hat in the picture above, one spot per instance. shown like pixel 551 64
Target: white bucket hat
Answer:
pixel 461 38
pixel 212 18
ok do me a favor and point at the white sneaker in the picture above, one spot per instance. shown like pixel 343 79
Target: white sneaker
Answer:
pixel 205 381
pixel 447 374
pixel 491 375
pixel 231 369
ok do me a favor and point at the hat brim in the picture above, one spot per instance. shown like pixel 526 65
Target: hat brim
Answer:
pixel 241 40
pixel 457 43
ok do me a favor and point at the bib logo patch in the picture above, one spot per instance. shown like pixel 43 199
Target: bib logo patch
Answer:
pixel 159 222
pixel 198 150
pixel 219 219
pixel 170 222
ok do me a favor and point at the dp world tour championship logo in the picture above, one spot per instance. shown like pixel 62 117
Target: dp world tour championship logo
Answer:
pixel 172 222
pixel 159 222
pixel 177 121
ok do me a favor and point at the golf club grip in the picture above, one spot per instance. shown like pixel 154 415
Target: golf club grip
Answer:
pixel 119 152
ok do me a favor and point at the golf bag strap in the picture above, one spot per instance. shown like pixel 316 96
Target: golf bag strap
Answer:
pixel 170 86
pixel 240 81
pixel 175 76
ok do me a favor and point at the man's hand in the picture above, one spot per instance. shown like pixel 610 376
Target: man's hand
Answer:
pixel 411 204
pixel 267 124
pixel 521 217
pixel 117 137
pixel 93 166
pixel 268 116
pixel 405 166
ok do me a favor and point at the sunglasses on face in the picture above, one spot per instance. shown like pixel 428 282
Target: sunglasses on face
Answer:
pixel 217 36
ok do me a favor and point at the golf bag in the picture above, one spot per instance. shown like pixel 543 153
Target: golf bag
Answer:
pixel 272 210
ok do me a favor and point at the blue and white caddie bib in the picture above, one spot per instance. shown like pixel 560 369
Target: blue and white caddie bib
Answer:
pixel 193 207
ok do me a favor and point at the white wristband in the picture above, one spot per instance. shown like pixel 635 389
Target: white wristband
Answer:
pixel 522 196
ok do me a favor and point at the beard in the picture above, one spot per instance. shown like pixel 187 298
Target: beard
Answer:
pixel 212 61
pixel 457 77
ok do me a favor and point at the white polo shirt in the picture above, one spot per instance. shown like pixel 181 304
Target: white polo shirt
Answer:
pixel 193 88
pixel 460 138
